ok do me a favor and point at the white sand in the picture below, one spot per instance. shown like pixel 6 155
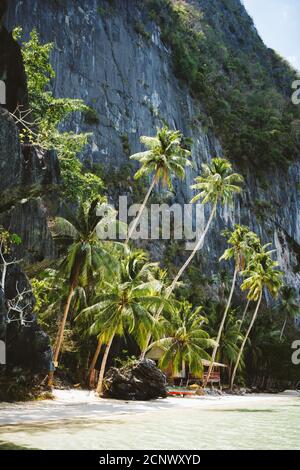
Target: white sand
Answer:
pixel 82 404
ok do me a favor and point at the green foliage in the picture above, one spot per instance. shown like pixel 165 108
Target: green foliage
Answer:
pixel 166 155
pixel 91 116
pixel 140 29
pixel 185 341
pixel 126 144
pixel 246 91
pixel 7 240
pixel 217 183
pixel 47 116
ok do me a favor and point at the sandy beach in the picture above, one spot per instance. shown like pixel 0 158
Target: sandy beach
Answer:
pixel 84 404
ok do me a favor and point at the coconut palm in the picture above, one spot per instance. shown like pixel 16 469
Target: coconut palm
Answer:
pixel 85 255
pixel 133 267
pixel 231 336
pixel 260 273
pixel 165 157
pixel 125 307
pixel 185 341
pixel 241 240
pixel 217 184
pixel 289 305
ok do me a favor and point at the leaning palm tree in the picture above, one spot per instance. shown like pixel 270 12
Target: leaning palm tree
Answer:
pixel 289 305
pixel 217 184
pixel 165 156
pixel 125 306
pixel 260 273
pixel 85 255
pixel 241 240
pixel 231 336
pixel 185 341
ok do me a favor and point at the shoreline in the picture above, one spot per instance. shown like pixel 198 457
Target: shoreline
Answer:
pixel 83 405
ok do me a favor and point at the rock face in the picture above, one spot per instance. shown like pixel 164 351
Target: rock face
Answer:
pixel 102 57
pixel 11 68
pixel 140 381
pixel 27 346
pixel 25 174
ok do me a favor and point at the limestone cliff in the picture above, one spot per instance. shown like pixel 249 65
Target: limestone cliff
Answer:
pixel 125 71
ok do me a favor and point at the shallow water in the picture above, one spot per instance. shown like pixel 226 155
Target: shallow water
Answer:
pixel 266 424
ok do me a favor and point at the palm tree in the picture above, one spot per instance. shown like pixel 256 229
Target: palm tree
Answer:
pixel 185 341
pixel 241 241
pixel 134 267
pixel 231 335
pixel 289 304
pixel 260 273
pixel 218 183
pixel 85 255
pixel 165 156
pixel 125 306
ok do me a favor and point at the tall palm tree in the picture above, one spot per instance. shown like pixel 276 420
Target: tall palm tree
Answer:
pixel 125 306
pixel 289 305
pixel 241 240
pixel 217 184
pixel 185 342
pixel 260 273
pixel 165 156
pixel 85 255
pixel 231 336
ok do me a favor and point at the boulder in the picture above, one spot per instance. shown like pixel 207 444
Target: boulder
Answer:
pixel 141 380
pixel 27 346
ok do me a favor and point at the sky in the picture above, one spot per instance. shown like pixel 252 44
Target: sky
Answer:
pixel 278 23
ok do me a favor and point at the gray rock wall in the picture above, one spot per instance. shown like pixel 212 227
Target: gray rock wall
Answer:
pixel 128 78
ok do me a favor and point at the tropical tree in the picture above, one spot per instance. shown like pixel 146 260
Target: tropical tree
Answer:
pixel 134 267
pixel 185 341
pixel 85 255
pixel 289 305
pixel 260 273
pixel 218 183
pixel 125 307
pixel 231 336
pixel 242 241
pixel 166 156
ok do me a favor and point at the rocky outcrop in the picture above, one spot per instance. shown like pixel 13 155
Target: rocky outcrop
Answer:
pixel 27 346
pixel 12 70
pixel 140 381
pixel 28 179
pixel 26 175
pixel 125 71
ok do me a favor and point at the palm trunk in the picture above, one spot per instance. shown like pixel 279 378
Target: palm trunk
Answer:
pixel 283 327
pixel 93 363
pixel 245 340
pixel 221 327
pixel 244 314
pixel 180 272
pixel 60 334
pixel 103 365
pixel 137 219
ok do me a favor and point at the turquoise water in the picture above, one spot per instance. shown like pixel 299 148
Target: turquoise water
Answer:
pixel 267 424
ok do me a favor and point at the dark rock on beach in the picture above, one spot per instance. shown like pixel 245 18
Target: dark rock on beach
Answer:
pixel 141 380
